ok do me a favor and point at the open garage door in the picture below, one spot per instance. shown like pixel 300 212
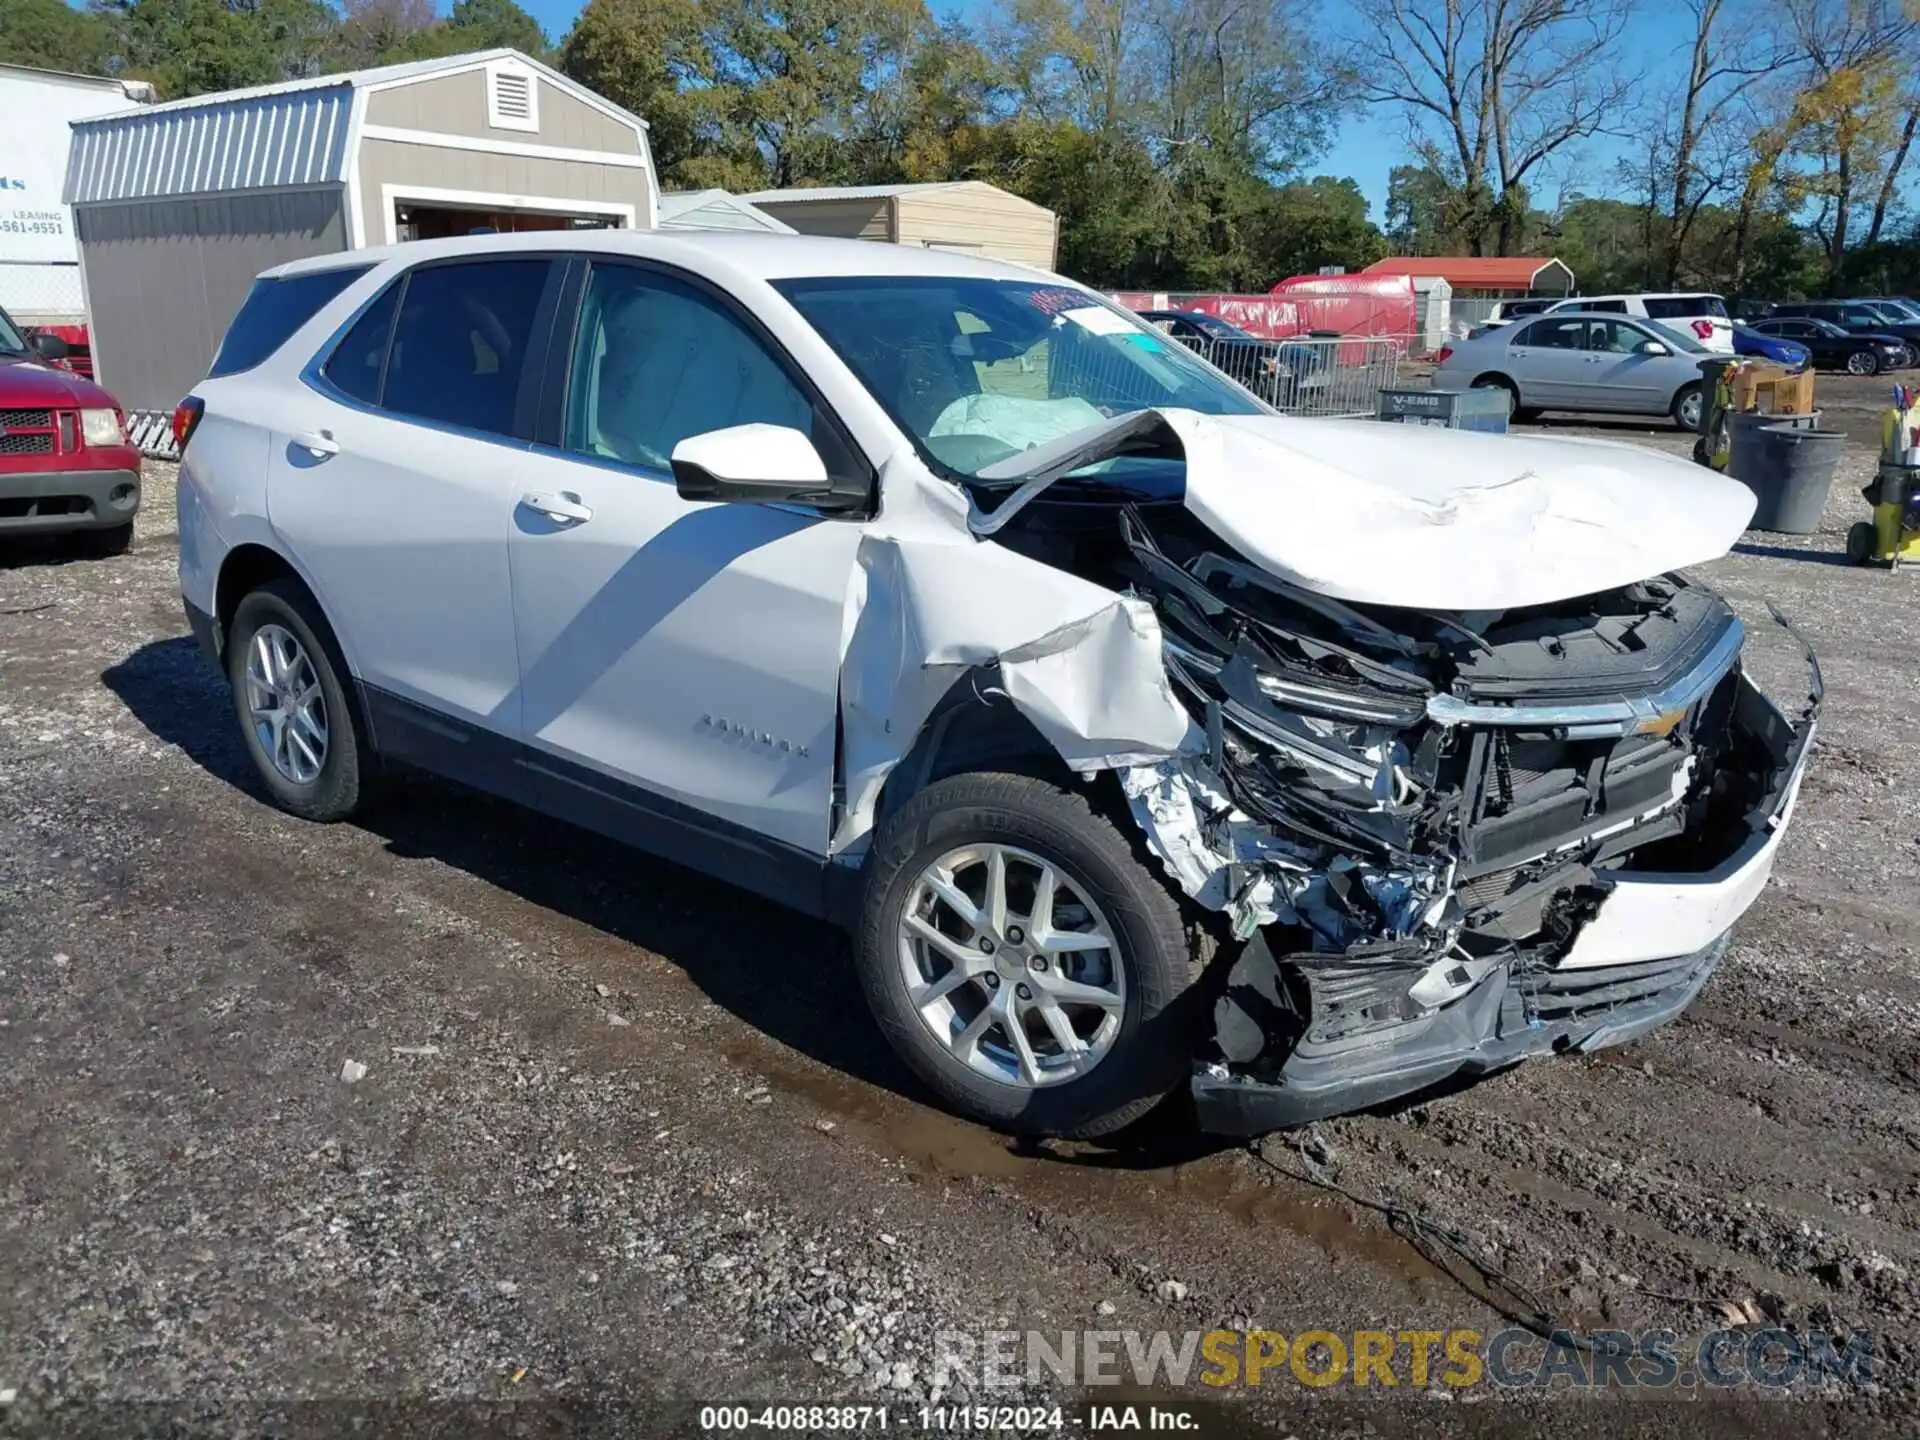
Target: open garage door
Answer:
pixel 439 220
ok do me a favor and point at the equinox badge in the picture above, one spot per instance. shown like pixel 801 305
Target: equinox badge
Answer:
pixel 720 725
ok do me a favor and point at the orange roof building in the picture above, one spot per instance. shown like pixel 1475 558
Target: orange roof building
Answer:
pixel 1484 274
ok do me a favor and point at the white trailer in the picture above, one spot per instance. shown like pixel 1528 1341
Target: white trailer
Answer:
pixel 39 259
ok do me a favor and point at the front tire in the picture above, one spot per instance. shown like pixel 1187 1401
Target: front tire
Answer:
pixel 291 698
pixel 1863 362
pixel 1021 958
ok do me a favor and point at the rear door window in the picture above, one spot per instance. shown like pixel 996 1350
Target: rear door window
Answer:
pixel 1554 334
pixel 460 343
pixel 272 311
pixel 1603 307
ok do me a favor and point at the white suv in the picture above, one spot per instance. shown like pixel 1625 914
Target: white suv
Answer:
pixel 1139 734
pixel 1691 312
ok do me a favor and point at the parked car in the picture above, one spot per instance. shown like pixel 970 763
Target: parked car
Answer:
pixel 1144 737
pixel 1281 371
pixel 1760 345
pixel 1695 313
pixel 1578 361
pixel 1865 353
pixel 65 465
pixel 1857 319
pixel 1505 312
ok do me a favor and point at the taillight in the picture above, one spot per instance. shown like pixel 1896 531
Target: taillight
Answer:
pixel 1703 329
pixel 1442 355
pixel 186 419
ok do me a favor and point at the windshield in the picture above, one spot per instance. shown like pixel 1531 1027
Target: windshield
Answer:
pixel 977 370
pixel 1892 310
pixel 12 342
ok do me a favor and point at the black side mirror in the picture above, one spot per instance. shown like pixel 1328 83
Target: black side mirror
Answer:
pixel 50 347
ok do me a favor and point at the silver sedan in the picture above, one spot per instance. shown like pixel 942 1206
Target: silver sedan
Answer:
pixel 1581 361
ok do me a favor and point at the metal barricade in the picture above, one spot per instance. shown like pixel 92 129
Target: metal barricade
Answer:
pixel 151 431
pixel 1315 376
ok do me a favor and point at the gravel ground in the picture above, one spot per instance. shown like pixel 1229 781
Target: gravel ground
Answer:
pixel 626 1135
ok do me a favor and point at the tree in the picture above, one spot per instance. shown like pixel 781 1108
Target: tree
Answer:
pixel 190 47
pixel 792 79
pixel 377 32
pixel 1493 91
pixel 473 25
pixel 649 57
pixel 50 35
pixel 1848 115
pixel 1732 48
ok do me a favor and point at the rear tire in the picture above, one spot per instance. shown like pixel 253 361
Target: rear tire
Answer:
pixel 1516 412
pixel 1689 407
pixel 932 864
pixel 326 738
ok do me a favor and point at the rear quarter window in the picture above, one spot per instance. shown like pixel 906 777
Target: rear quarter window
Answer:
pixel 273 310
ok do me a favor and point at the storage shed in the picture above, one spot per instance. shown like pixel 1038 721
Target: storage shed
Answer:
pixel 716 210
pixel 178 206
pixel 968 216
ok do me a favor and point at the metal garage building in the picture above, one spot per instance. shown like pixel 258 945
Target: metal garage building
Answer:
pixel 178 206
pixel 969 216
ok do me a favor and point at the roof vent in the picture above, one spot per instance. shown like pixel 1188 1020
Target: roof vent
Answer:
pixel 513 98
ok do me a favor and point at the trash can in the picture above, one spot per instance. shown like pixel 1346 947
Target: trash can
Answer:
pixel 1745 428
pixel 1790 471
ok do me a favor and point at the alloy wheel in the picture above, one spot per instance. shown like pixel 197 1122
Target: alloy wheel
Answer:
pixel 1690 411
pixel 1859 363
pixel 1011 965
pixel 285 704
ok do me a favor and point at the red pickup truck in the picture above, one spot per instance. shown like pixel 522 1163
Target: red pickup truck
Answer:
pixel 65 464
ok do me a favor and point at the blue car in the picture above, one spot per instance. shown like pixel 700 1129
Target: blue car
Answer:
pixel 1748 341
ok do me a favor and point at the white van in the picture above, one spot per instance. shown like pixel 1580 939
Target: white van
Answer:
pixel 1704 316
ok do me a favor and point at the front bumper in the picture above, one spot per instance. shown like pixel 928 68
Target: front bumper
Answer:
pixel 1637 961
pixel 64 500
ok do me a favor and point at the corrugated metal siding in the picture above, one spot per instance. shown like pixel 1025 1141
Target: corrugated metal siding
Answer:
pixel 165 277
pixel 267 142
pixel 981 219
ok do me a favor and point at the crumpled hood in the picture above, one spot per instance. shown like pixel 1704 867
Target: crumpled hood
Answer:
pixel 1440 519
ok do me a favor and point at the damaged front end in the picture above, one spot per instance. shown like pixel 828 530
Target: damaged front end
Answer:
pixel 1444 842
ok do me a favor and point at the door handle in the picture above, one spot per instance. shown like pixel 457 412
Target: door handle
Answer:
pixel 318 442
pixel 563 509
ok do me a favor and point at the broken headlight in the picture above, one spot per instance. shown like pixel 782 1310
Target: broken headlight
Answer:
pixel 1358 706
